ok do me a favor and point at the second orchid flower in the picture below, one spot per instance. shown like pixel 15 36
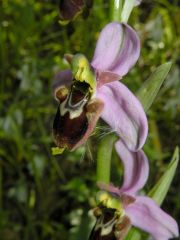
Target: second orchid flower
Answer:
pixel 120 207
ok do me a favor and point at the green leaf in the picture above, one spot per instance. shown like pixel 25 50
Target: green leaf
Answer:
pixel 150 88
pixel 159 191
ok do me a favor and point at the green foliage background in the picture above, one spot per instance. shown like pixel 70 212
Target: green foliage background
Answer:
pixel 47 197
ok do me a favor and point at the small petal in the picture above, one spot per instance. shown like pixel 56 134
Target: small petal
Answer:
pixel 109 188
pixel 106 77
pixel 117 49
pixel 124 113
pixel 62 81
pixel 148 216
pixel 136 168
pixel 108 46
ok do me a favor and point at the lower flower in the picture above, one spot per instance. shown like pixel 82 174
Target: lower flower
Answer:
pixel 112 222
pixel 126 207
pixel 109 225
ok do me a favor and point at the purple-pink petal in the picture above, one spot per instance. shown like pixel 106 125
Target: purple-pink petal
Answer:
pixel 124 113
pixel 117 49
pixel 106 77
pixel 145 214
pixel 136 168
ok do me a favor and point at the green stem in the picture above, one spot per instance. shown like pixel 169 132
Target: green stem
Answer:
pixel 104 158
pixel 127 9
pixel 1 188
pixel 115 10
pixel 156 142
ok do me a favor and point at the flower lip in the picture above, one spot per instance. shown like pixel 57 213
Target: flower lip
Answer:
pixel 77 112
pixel 67 132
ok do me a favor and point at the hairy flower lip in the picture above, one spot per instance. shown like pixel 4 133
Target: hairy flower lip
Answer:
pixel 71 133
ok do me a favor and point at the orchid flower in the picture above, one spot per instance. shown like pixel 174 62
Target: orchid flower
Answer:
pixel 90 91
pixel 119 208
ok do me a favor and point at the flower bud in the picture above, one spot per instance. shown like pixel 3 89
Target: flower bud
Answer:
pixel 69 9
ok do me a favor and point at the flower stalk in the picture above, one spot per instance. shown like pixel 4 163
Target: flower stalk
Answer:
pixel 115 10
pixel 127 9
pixel 104 158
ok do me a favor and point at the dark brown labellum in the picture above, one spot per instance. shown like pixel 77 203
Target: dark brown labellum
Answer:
pixel 109 225
pixel 76 115
pixel 68 131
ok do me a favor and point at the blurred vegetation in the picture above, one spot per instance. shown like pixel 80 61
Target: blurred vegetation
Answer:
pixel 47 197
